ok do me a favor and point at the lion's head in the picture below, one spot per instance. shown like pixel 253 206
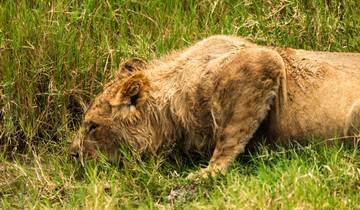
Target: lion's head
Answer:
pixel 118 116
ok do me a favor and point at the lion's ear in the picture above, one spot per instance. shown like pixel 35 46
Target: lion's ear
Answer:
pixel 132 65
pixel 134 91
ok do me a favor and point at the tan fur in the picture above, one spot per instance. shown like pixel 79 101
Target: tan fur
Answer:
pixel 213 96
pixel 352 124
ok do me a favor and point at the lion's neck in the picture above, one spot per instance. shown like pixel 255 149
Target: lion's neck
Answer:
pixel 165 131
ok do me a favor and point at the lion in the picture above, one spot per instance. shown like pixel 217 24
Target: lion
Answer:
pixel 212 97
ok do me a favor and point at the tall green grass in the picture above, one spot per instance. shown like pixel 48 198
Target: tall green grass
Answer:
pixel 56 55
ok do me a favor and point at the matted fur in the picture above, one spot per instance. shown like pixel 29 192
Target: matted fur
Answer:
pixel 213 96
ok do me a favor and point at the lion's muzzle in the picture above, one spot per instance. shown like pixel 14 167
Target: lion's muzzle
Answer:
pixel 74 150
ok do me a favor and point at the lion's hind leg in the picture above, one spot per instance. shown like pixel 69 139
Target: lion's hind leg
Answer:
pixel 352 124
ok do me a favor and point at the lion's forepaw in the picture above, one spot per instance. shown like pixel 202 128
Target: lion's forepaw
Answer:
pixel 202 174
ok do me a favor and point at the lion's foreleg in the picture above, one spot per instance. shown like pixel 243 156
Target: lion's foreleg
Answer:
pixel 258 74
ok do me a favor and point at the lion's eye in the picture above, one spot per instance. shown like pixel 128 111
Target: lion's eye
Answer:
pixel 92 127
pixel 133 99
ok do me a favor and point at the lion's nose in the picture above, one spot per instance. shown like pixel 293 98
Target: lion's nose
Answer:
pixel 74 151
pixel 75 154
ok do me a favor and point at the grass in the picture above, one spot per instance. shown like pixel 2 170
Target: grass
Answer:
pixel 312 178
pixel 56 55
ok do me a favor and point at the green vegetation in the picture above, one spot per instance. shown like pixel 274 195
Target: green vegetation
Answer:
pixel 55 56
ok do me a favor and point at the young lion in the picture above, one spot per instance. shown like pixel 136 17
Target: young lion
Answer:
pixel 213 96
